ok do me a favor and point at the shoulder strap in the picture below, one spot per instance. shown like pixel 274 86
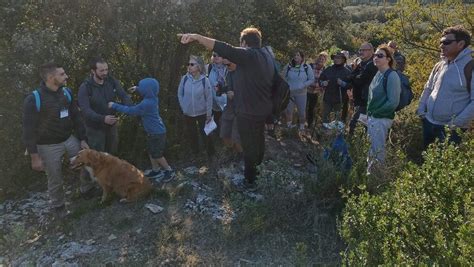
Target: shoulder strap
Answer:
pixel 204 83
pixel 287 70
pixel 184 82
pixel 305 66
pixel 468 74
pixel 67 93
pixel 36 94
pixel 37 99
pixel 385 78
pixel 209 68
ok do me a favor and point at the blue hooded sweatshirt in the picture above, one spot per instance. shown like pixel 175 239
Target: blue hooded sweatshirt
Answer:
pixel 148 108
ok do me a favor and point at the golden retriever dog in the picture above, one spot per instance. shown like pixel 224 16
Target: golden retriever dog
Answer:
pixel 113 175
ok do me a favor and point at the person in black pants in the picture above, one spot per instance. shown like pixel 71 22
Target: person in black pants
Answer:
pixel 253 90
pixel 315 89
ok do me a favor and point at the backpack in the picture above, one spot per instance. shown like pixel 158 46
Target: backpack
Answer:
pixel 305 66
pixel 36 94
pixel 186 78
pixel 280 91
pixel 406 94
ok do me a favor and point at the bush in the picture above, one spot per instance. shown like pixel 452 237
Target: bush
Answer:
pixel 424 217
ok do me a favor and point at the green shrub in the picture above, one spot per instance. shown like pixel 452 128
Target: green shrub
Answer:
pixel 424 217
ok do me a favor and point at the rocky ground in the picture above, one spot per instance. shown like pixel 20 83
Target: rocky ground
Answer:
pixel 192 220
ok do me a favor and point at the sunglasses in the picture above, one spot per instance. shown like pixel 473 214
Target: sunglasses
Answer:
pixel 447 42
pixel 191 64
pixel 380 55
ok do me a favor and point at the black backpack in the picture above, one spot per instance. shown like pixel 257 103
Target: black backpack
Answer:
pixel 406 94
pixel 280 91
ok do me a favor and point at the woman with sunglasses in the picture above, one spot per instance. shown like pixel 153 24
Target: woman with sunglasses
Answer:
pixel 195 100
pixel 299 76
pixel 384 95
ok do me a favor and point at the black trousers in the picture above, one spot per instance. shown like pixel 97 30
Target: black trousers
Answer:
pixel 252 137
pixel 312 102
pixel 193 133
pixel 355 117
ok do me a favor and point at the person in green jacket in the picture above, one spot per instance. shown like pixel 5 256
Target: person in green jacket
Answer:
pixel 384 95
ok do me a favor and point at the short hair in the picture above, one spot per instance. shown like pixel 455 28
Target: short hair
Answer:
pixel 47 69
pixel 200 63
pixel 460 33
pixel 252 37
pixel 389 53
pixel 94 61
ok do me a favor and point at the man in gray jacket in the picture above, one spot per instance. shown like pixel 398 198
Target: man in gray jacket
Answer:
pixel 448 99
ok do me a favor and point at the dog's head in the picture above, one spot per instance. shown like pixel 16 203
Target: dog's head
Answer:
pixel 85 157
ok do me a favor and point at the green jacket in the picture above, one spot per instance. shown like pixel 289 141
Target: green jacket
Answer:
pixel 383 102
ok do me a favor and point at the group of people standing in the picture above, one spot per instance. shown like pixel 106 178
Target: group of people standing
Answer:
pixel 235 91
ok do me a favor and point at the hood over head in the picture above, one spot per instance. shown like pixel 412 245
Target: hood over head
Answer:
pixel 148 88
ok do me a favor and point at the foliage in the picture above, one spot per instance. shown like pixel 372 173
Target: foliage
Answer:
pixel 138 39
pixel 425 217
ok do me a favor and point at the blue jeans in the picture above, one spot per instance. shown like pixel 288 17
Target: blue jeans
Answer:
pixel 431 132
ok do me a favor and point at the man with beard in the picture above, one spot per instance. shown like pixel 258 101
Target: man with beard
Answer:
pixel 52 127
pixel 94 95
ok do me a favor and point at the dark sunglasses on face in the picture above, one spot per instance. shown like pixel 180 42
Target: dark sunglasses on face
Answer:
pixel 447 42
pixel 191 64
pixel 380 55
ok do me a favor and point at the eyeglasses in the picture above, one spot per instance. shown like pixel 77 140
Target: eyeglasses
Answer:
pixel 191 64
pixel 380 55
pixel 447 42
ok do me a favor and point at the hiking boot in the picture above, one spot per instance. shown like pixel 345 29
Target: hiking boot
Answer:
pixel 245 186
pixel 60 212
pixel 155 174
pixel 168 176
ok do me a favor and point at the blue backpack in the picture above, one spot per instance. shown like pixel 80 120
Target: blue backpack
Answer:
pixel 36 94
pixel 406 94
pixel 338 153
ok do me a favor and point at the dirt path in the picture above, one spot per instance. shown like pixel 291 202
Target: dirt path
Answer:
pixel 203 222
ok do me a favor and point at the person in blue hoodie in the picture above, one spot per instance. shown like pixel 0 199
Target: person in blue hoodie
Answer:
pixel 148 110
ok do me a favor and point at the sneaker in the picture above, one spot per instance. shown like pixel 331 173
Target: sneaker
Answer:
pixel 168 176
pixel 147 171
pixel 155 174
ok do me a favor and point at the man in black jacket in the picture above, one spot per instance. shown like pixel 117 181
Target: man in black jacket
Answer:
pixel 253 81
pixel 94 95
pixel 360 79
pixel 49 121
